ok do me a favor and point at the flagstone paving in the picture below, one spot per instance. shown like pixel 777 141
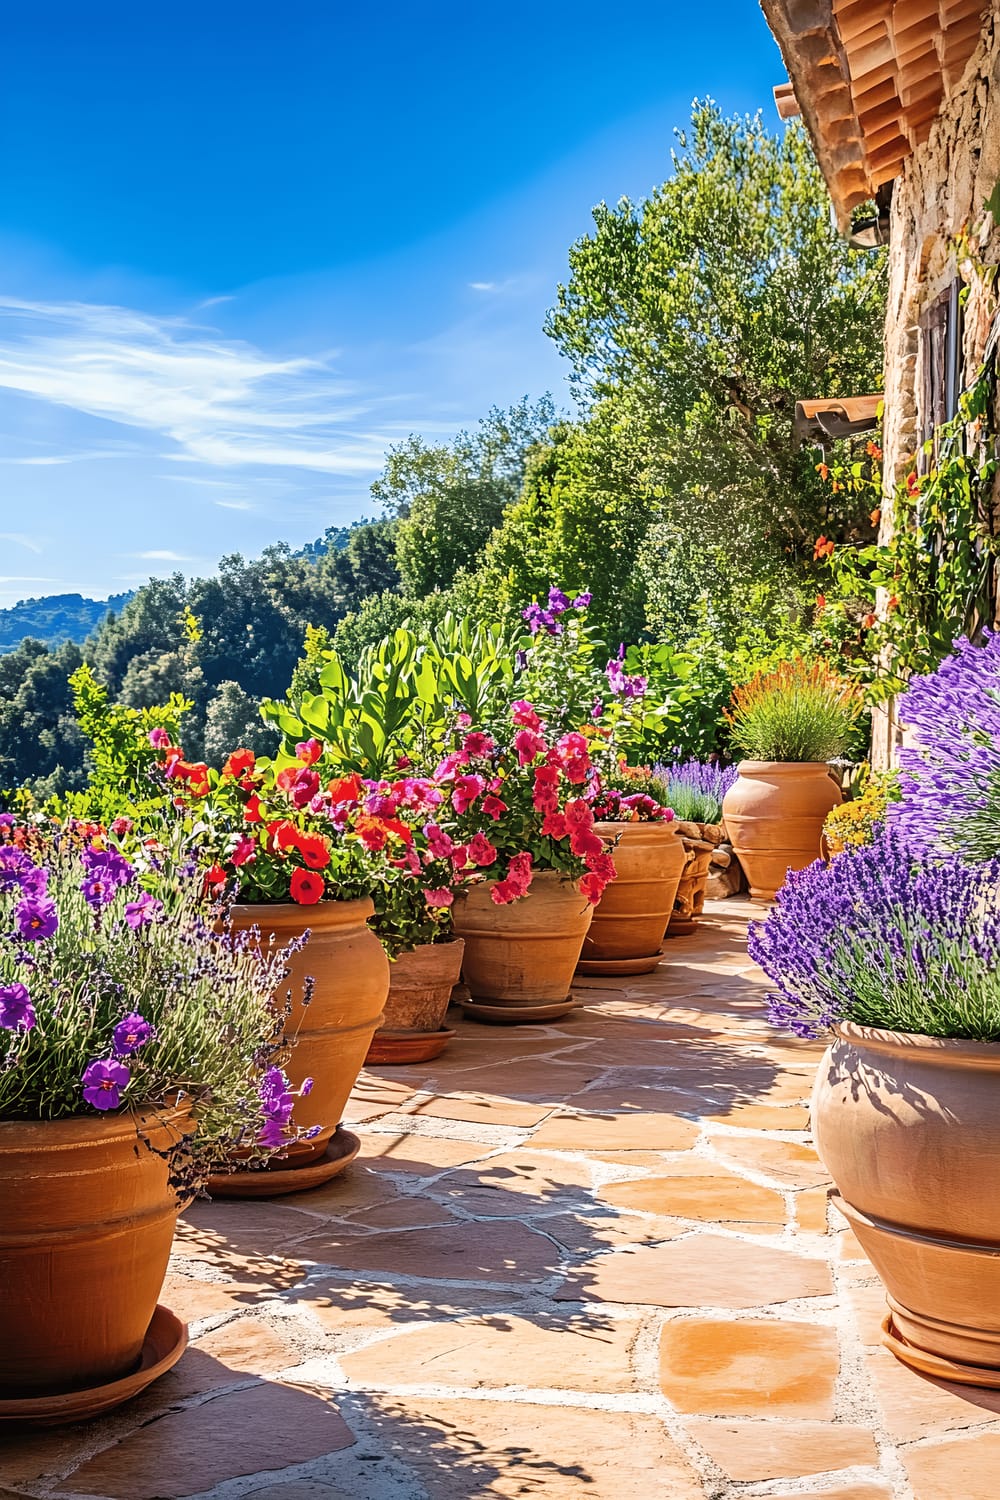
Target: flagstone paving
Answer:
pixel 590 1259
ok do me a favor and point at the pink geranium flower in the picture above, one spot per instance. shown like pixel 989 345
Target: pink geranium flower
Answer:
pixel 522 713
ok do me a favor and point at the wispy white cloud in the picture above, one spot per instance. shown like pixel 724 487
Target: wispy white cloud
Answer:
pixel 222 402
pixel 483 286
pixel 21 540
pixel 25 578
pixel 159 555
pixel 47 460
pixel 235 504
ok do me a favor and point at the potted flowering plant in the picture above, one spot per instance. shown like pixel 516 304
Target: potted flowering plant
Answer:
pixel 520 806
pixel 895 953
pixel 695 790
pixel 638 830
pixel 139 1048
pixel 413 911
pixel 302 859
pixel 894 947
pixel 789 724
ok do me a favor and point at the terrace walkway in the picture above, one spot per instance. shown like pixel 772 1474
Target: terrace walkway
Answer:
pixel 592 1259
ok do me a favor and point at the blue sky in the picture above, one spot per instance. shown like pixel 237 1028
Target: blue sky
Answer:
pixel 246 247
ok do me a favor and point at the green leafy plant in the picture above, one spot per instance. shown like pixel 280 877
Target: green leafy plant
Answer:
pixel 795 713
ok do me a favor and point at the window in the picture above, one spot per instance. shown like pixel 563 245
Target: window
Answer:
pixel 940 364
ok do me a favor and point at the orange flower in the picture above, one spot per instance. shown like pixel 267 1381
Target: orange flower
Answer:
pixel 823 470
pixel 913 483
pixel 868 621
pixel 874 451
pixel 306 887
pixel 345 788
pixel 893 603
pixel 820 603
pixel 823 548
pixel 875 516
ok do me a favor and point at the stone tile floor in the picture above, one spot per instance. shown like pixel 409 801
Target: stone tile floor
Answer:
pixel 590 1259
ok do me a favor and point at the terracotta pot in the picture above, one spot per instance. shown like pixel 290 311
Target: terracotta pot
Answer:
pixel 774 813
pixel 88 1219
pixel 909 1130
pixel 690 899
pixel 351 971
pixel 632 915
pixel 420 986
pixel 523 954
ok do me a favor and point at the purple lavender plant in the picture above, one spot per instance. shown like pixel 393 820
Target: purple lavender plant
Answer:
pixel 695 789
pixel 886 939
pixel 951 777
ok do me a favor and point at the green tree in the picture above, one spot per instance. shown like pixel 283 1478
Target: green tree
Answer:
pixel 706 311
pixel 449 497
pixel 233 722
pixel 41 745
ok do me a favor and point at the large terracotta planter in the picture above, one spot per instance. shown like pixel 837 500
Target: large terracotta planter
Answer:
pixel 626 934
pixel 909 1130
pixel 334 1030
pixel 85 1233
pixel 519 959
pixel 420 986
pixel 774 813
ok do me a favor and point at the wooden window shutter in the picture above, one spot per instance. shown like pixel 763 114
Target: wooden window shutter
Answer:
pixel 940 329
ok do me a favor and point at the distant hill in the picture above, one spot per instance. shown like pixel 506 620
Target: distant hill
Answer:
pixel 55 618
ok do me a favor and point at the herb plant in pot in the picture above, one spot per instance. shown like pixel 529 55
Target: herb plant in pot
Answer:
pixel 695 790
pixel 788 724
pixel 897 956
pixel 302 859
pixel 542 868
pixel 139 1049
pixel 626 934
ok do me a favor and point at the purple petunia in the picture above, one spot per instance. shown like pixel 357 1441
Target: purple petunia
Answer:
pixel 15 868
pixel 98 891
pixel 143 910
pixel 558 601
pixel 35 918
pixel 16 1010
pixel 582 600
pixel 131 1033
pixel 104 1082
pixel 108 865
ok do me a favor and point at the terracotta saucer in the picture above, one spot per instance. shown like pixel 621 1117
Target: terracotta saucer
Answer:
pixel 268 1182
pixel 514 1015
pixel 645 965
pixel 166 1340
pixel 396 1048
pixel 935 1364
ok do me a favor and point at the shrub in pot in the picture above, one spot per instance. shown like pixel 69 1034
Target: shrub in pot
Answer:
pixel 788 724
pixel 302 859
pixel 138 1049
pixel 695 790
pixel 638 830
pixel 897 956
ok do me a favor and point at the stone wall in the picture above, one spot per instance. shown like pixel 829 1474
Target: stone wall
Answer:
pixel 940 192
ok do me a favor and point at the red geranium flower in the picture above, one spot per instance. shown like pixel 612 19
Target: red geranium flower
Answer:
pixel 306 887
pixel 239 763
pixel 345 789
pixel 309 751
pixel 314 850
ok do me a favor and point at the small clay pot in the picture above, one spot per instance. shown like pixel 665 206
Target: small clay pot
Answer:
pixel 909 1130
pixel 523 953
pixel 632 914
pixel 774 812
pixel 420 985
pixel 85 1234
pixel 351 974
pixel 690 899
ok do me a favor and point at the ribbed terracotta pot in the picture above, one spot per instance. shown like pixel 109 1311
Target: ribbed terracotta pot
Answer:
pixel 909 1129
pixel 420 986
pixel 351 974
pixel 632 914
pixel 85 1232
pixel 689 902
pixel 522 956
pixel 774 812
